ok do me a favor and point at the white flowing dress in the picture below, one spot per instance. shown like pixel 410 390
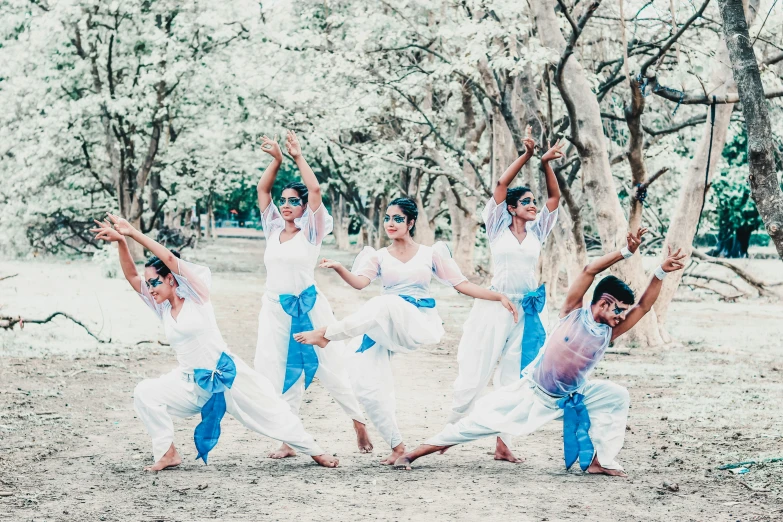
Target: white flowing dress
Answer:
pixel 290 270
pixel 195 338
pixel 491 341
pixel 395 325
pixel 562 368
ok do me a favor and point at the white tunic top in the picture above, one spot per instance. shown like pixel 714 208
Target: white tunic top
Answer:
pixel 194 334
pixel 571 352
pixel 413 277
pixel 514 263
pixel 290 266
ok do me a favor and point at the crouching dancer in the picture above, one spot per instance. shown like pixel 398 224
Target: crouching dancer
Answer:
pixel 209 379
pixel 555 385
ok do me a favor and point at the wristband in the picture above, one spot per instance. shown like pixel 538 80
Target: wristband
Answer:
pixel 659 273
pixel 626 253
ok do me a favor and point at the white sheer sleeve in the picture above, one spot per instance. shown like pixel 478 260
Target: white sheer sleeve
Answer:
pixel 544 223
pixel 367 264
pixel 496 218
pixel 315 225
pixel 145 295
pixel 271 220
pixel 195 282
pixel 444 267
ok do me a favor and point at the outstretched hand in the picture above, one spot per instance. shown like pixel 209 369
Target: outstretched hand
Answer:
pixel 674 261
pixel 121 225
pixel 554 152
pixel 292 144
pixel 105 232
pixel 635 240
pixel 328 263
pixel 530 144
pixel 271 147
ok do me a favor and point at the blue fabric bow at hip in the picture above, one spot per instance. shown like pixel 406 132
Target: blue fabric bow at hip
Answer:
pixel 426 302
pixel 301 357
pixel 216 382
pixel 576 427
pixel 534 334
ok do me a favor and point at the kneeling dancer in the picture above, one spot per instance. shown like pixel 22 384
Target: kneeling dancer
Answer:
pixel 556 384
pixel 209 379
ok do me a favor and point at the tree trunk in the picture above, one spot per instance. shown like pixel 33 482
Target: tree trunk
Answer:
pixel 764 184
pixel 686 215
pixel 612 225
pixel 342 220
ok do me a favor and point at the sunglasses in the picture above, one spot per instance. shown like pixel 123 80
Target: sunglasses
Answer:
pixel 396 218
pixel 154 283
pixel 294 202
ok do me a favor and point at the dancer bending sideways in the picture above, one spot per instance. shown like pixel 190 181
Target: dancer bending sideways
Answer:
pixel 400 320
pixel 292 302
pixel 209 379
pixel 491 342
pixel 556 384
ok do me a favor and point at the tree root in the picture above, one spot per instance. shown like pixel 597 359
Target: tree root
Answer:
pixel 8 323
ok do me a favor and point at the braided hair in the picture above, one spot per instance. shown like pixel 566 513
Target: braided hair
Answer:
pixel 159 266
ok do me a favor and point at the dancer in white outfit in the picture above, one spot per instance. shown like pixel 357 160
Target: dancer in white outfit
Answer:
pixel 556 384
pixel 399 321
pixel 209 379
pixel 491 342
pixel 294 233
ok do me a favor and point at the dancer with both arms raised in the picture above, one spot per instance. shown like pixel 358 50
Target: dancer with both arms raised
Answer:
pixel 556 384
pixel 400 320
pixel 292 303
pixel 209 379
pixel 491 342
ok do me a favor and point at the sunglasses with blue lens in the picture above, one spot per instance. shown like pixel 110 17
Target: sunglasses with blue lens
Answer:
pixel 294 202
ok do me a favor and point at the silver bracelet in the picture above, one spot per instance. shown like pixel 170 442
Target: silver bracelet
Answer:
pixel 626 253
pixel 659 273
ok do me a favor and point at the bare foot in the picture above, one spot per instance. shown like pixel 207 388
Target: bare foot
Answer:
pixel 169 460
pixel 282 452
pixel 403 463
pixel 503 453
pixel 326 461
pixel 314 337
pixel 596 468
pixel 362 437
pixel 397 452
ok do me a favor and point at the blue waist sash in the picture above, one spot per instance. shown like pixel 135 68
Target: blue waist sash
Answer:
pixel 301 357
pixel 534 334
pixel 426 302
pixel 216 382
pixel 576 425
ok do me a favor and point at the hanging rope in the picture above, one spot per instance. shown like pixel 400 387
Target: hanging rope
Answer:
pixel 709 159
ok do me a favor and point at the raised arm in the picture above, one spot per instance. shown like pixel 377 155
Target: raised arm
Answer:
pixel 479 292
pixel 582 282
pixel 270 174
pixel 501 189
pixel 105 232
pixel 308 176
pixel 552 188
pixel 672 262
pixel 356 281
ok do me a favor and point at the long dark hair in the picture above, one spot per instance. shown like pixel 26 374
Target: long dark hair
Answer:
pixel 409 208
pixel 513 195
pixel 300 189
pixel 159 266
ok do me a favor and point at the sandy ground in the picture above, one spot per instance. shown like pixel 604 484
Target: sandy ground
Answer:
pixel 71 447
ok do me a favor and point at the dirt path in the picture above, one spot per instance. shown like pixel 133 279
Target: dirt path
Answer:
pixel 72 449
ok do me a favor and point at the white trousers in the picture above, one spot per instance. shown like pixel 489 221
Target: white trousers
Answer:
pixel 396 326
pixel 522 408
pixel 274 333
pixel 251 400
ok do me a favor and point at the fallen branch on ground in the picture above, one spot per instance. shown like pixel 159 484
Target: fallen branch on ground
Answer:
pixel 734 465
pixel 152 342
pixel 716 279
pixel 8 277
pixel 723 297
pixel 760 286
pixel 8 323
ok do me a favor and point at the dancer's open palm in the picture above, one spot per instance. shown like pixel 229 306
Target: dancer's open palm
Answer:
pixel 634 240
pixel 674 261
pixel 105 232
pixel 292 144
pixel 121 225
pixel 554 152
pixel 328 263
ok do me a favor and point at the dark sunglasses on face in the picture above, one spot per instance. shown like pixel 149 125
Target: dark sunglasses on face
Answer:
pixel 397 218
pixel 154 283
pixel 294 202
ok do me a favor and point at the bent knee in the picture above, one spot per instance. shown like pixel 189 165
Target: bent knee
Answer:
pixel 144 391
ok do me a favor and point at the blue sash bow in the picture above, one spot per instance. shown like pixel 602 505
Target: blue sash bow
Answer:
pixel 576 427
pixel 301 357
pixel 426 302
pixel 215 382
pixel 534 334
